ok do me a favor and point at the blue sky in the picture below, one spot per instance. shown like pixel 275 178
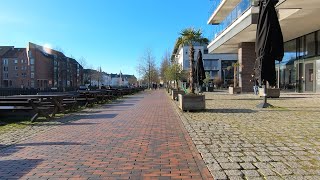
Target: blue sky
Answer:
pixel 111 34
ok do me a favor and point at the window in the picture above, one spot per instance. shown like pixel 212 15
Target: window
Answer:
pixel 205 51
pixel 16 68
pixel 22 61
pixel 32 75
pixel 32 68
pixel 32 83
pixel 16 61
pixel 31 61
pixel 30 54
pixel 310 45
pixel 290 51
pixel 210 64
pixel 6 75
pixel 17 75
pixel 318 40
pixel 301 47
pixel 5 61
pixel 5 68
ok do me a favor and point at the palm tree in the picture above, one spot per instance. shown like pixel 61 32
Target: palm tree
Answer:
pixel 189 37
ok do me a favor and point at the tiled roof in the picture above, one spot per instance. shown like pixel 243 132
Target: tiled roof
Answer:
pixel 14 52
pixel 4 49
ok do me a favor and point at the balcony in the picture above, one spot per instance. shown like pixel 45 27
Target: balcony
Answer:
pixel 237 11
pixel 238 26
pixel 220 9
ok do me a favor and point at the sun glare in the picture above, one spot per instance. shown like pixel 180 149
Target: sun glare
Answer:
pixel 47 48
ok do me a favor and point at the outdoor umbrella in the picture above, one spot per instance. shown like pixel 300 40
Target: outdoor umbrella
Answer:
pixel 269 43
pixel 200 73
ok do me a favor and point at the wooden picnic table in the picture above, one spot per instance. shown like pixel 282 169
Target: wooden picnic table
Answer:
pixel 55 100
pixel 12 107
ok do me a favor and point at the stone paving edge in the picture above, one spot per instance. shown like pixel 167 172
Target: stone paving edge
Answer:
pixel 204 171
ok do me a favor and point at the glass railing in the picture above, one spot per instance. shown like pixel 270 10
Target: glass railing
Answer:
pixel 214 7
pixel 243 6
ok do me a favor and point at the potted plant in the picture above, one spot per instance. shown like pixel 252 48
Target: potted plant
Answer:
pixel 235 89
pixel 174 73
pixel 190 100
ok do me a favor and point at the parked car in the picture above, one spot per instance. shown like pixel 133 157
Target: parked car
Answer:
pixel 84 88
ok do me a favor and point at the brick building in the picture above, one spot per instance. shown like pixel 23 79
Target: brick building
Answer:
pixel 15 68
pixel 38 67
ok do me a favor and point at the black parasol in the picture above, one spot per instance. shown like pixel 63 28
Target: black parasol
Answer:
pixel 269 43
pixel 200 73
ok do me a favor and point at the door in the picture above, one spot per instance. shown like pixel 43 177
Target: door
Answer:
pixel 309 77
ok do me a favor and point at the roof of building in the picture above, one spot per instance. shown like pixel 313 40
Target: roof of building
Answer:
pixel 4 49
pixel 14 52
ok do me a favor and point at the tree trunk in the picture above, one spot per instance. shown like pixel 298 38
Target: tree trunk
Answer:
pixel 191 57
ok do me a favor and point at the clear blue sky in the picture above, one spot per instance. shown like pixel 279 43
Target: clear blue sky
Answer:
pixel 110 33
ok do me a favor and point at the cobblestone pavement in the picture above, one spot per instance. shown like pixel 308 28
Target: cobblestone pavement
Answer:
pixel 140 138
pixel 239 141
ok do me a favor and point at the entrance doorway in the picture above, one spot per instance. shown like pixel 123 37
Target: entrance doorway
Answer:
pixel 309 77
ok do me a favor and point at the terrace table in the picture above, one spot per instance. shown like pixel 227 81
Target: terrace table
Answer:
pixel 52 99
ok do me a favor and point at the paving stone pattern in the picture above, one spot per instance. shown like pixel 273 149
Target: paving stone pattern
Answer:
pixel 239 141
pixel 140 138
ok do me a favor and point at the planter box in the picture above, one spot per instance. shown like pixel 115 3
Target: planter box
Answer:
pixel 271 93
pixel 234 90
pixel 175 93
pixel 192 102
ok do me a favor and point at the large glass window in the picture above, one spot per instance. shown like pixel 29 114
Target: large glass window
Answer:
pixel 318 40
pixel 310 48
pixel 210 64
pixel 290 51
pixel 301 47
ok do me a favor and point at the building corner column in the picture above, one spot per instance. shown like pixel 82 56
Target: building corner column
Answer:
pixel 247 57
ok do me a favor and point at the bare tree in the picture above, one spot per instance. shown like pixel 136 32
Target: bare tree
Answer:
pixel 58 48
pixel 82 61
pixel 165 64
pixel 147 67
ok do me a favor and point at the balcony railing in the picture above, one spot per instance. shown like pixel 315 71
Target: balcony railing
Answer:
pixel 214 6
pixel 243 6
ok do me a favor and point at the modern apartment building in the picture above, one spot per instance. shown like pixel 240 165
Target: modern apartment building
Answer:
pixel 235 22
pixel 38 67
pixel 215 64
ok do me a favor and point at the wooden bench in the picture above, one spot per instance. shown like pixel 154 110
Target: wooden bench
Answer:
pixel 13 108
pixel 85 98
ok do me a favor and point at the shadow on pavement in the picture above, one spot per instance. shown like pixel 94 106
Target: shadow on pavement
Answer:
pixel 15 169
pixel 230 111
pixel 97 116
pixel 51 144
pixel 8 150
pixel 115 105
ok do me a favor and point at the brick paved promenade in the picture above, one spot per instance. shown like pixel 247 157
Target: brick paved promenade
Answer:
pixel 141 137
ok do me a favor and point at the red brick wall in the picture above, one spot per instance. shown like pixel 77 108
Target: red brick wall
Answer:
pixel 20 77
pixel 247 57
pixel 43 68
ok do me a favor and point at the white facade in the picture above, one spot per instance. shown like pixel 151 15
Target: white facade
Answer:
pixel 115 80
pixel 211 62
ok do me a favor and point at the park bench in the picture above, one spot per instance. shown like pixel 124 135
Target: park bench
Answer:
pixel 85 98
pixel 14 108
